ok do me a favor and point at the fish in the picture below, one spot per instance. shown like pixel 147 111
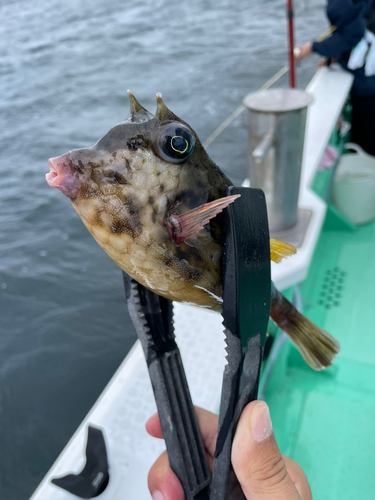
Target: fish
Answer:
pixel 153 199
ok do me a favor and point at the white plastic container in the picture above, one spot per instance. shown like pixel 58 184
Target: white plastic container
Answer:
pixel 353 192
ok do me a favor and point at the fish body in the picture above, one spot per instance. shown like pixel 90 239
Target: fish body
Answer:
pixel 124 193
pixel 137 191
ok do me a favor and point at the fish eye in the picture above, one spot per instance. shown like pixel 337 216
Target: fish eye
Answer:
pixel 174 143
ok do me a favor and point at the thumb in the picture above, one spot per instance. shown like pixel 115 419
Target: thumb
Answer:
pixel 256 458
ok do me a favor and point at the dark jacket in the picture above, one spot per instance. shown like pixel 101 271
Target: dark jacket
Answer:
pixel 350 18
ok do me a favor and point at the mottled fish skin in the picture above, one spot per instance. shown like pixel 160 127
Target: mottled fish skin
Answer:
pixel 125 192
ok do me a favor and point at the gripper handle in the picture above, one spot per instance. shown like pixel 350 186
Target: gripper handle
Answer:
pixel 152 317
pixel 179 425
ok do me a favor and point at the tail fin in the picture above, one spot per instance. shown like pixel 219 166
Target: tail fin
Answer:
pixel 317 347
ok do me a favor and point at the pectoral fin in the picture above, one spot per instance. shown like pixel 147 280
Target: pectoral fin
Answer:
pixel 184 226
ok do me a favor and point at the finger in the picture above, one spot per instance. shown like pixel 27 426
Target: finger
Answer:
pixel 298 477
pixel 207 423
pixel 153 426
pixel 257 461
pixel 163 482
pixel 297 53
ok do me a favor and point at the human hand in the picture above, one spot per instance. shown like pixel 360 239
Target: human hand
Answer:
pixel 322 62
pixel 303 51
pixel 264 474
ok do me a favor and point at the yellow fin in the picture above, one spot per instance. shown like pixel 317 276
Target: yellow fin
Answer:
pixel 279 250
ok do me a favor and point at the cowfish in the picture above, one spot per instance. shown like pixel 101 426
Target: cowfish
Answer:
pixel 153 199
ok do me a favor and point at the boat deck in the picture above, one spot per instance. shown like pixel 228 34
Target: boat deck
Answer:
pixel 324 420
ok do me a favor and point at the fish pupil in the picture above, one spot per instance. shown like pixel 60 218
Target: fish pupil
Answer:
pixel 179 144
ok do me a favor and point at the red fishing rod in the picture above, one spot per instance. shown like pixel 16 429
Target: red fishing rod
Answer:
pixel 292 64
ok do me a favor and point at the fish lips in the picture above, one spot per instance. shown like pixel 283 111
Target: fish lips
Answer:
pixel 64 176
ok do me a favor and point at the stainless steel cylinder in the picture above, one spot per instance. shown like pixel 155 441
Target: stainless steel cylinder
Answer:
pixel 277 120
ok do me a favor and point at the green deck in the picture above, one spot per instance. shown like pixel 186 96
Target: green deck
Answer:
pixel 325 421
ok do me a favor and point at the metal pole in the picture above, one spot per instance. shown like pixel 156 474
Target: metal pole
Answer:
pixel 291 44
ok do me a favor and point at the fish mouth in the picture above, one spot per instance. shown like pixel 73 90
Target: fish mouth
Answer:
pixel 51 176
pixel 63 176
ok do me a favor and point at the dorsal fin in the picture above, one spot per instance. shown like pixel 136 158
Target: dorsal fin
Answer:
pixel 280 249
pixel 138 113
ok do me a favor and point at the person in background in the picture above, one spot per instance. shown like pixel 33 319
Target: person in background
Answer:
pixel 350 19
pixel 263 473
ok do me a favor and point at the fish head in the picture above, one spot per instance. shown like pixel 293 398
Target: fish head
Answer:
pixel 147 159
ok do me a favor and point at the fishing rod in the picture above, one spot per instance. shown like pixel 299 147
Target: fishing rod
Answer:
pixel 241 108
pixel 292 61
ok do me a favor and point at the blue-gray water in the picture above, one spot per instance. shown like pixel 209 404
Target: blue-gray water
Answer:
pixel 64 69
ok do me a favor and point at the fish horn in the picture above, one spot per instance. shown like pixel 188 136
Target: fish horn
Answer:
pixel 137 113
pixel 162 112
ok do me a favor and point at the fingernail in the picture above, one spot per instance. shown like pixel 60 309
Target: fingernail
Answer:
pixel 260 424
pixel 157 496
